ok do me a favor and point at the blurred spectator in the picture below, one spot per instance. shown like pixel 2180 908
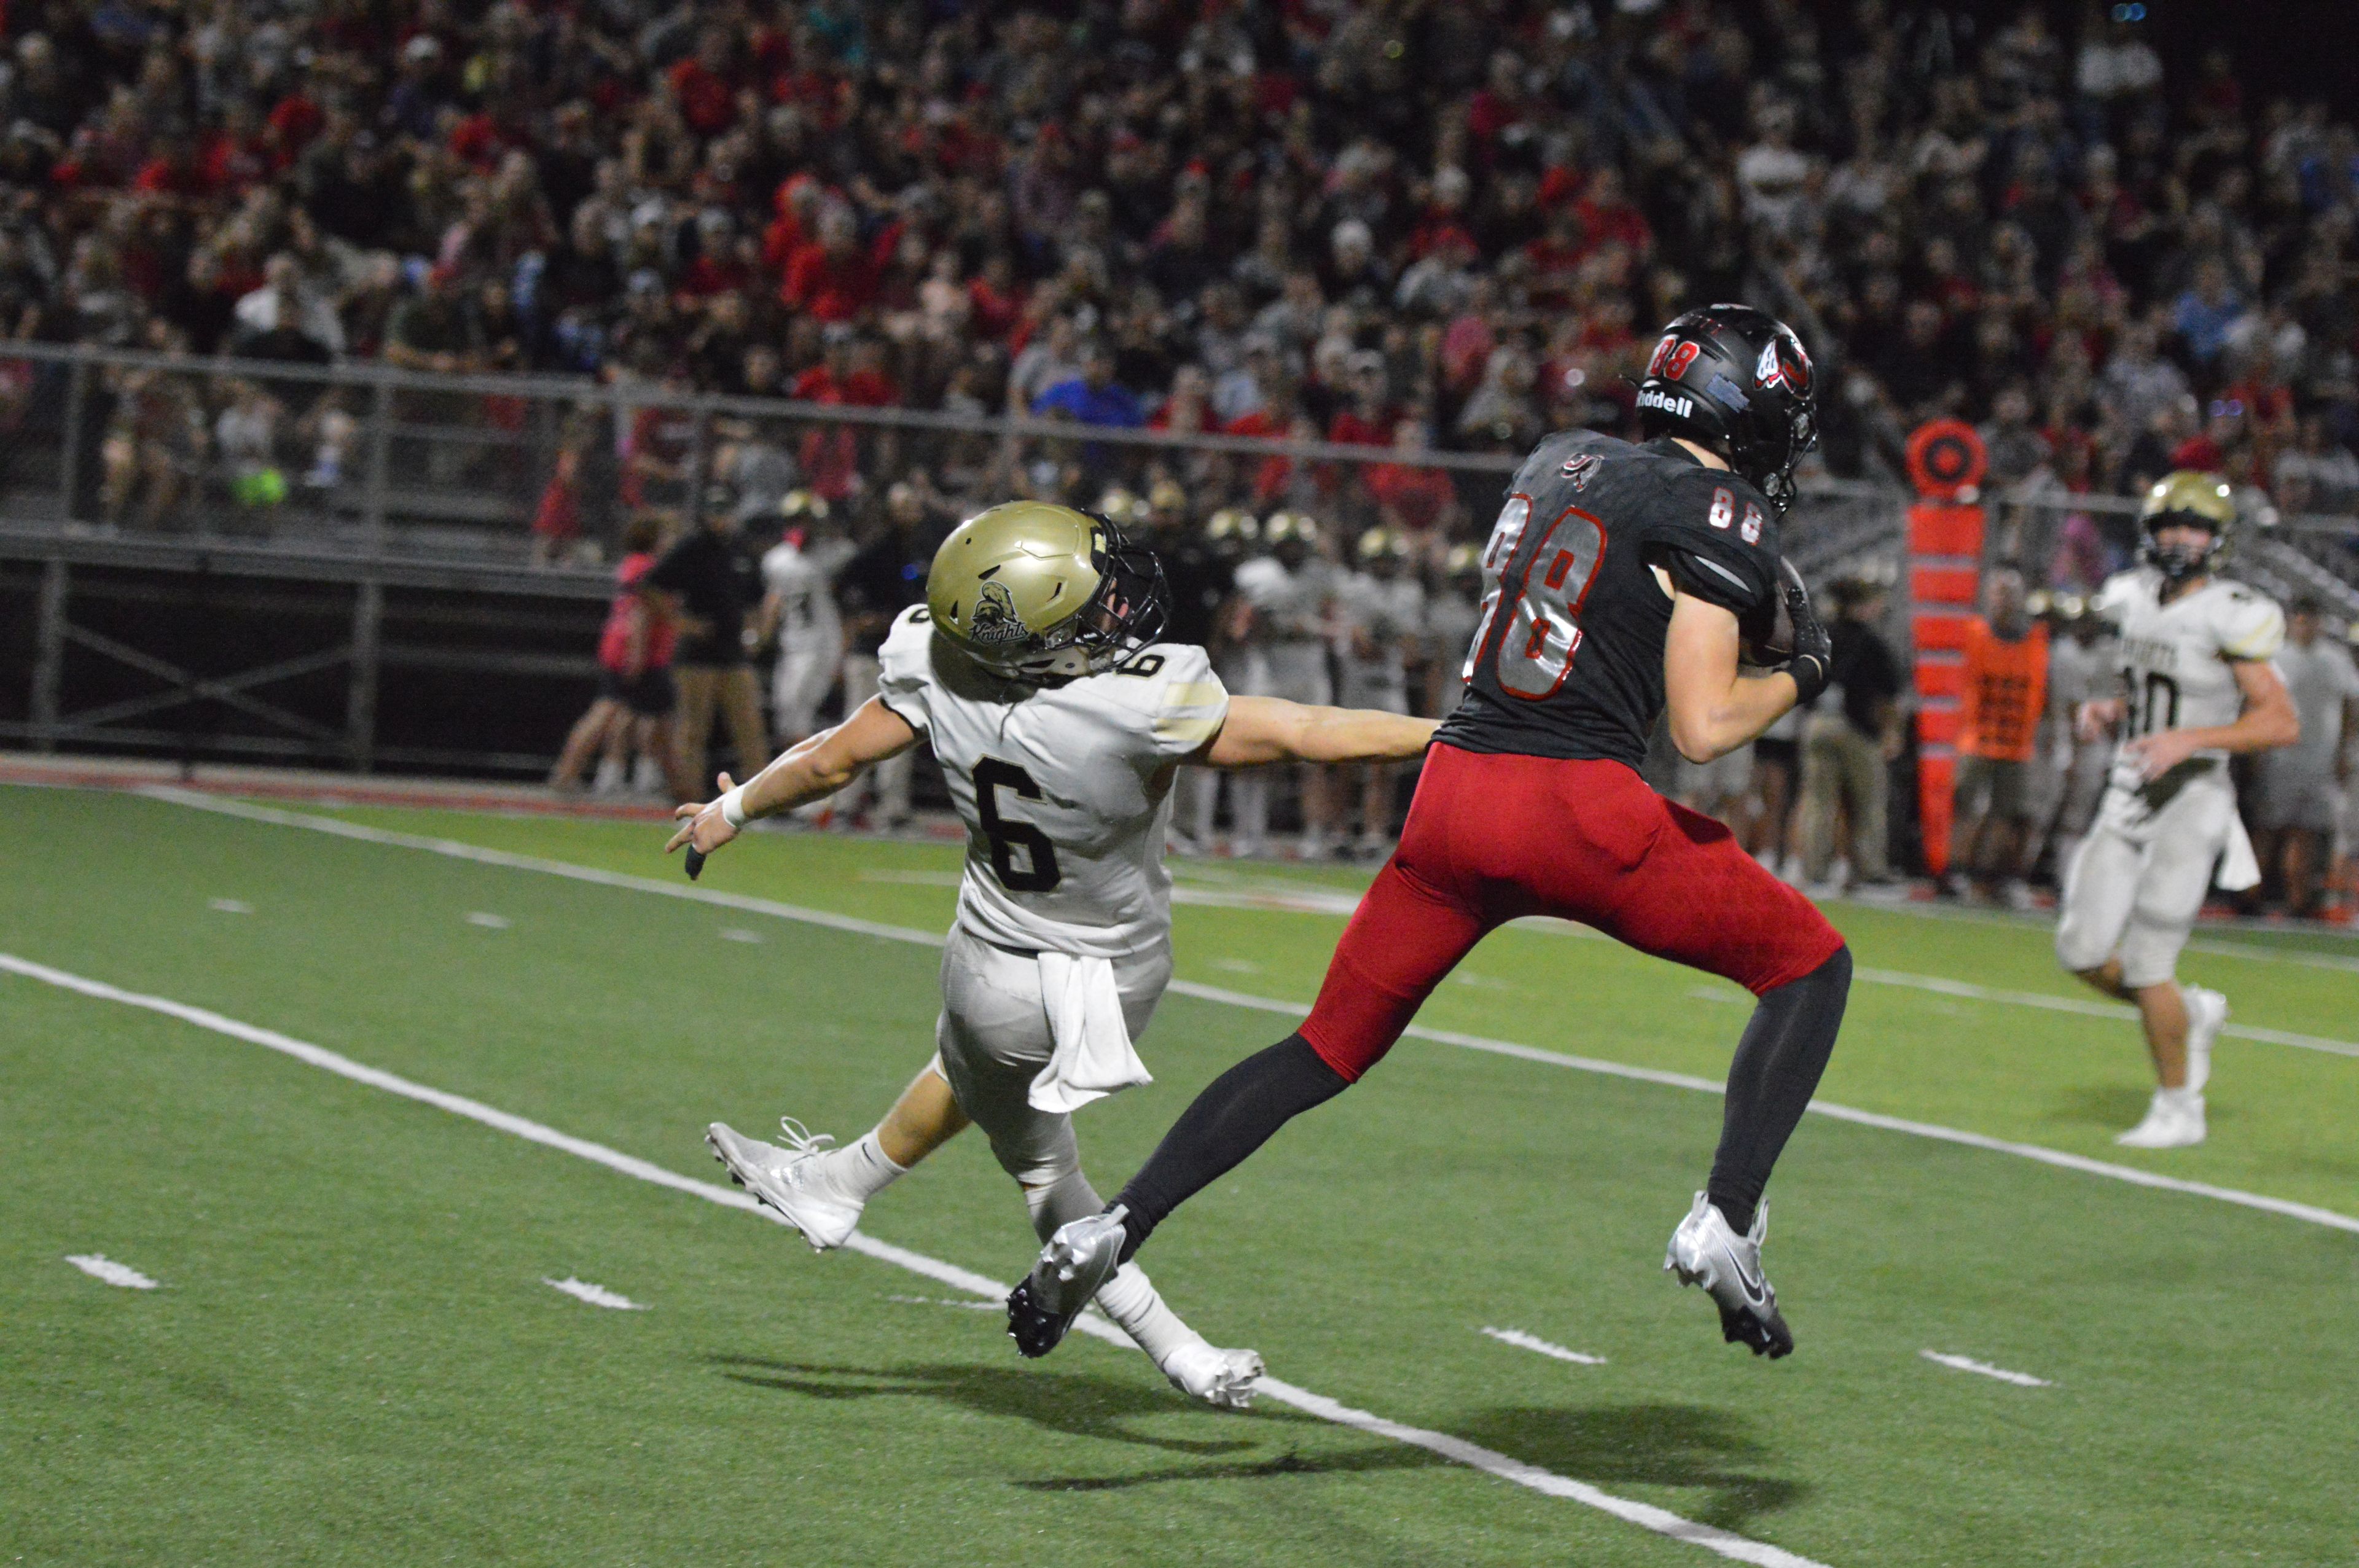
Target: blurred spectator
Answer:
pixel 632 712
pixel 1849 737
pixel 708 581
pixel 2301 785
pixel 2005 696
pixel 1093 397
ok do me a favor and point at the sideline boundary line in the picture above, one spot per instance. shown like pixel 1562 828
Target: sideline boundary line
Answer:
pixel 1661 1522
pixel 697 893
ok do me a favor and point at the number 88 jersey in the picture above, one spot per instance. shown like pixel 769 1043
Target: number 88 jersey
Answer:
pixel 1064 790
pixel 1567 659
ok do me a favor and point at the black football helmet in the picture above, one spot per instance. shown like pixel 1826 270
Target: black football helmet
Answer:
pixel 1734 379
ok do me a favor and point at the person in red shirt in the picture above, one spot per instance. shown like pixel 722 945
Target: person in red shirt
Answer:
pixel 831 277
pixel 704 85
pixel 1367 420
pixel 1410 497
pixel 1609 217
pixel 633 710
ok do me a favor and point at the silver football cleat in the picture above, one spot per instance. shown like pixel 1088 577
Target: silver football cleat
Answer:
pixel 1705 1250
pixel 1080 1258
pixel 787 1180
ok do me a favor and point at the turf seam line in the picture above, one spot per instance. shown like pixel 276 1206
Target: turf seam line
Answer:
pixel 1738 1548
pixel 458 850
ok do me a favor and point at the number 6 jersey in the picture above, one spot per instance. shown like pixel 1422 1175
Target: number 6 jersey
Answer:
pixel 1065 790
pixel 1566 659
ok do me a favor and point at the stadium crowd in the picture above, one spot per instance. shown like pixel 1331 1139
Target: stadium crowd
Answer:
pixel 1399 223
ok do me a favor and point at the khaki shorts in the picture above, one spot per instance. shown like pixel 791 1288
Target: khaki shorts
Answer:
pixel 1993 786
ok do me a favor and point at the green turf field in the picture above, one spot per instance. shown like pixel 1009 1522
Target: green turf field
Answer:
pixel 353 1355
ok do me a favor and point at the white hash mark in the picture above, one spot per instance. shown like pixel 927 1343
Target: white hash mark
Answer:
pixel 1968 1364
pixel 100 1266
pixel 488 922
pixel 597 1295
pixel 1522 1340
pixel 739 934
pixel 1237 966
pixel 229 906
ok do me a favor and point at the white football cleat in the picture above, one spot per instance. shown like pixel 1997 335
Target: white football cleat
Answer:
pixel 2206 1011
pixel 789 1180
pixel 2174 1120
pixel 1222 1378
pixel 1705 1250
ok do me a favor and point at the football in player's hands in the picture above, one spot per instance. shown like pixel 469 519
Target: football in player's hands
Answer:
pixel 1767 633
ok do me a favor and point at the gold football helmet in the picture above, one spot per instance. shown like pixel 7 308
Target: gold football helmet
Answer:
pixel 1384 544
pixel 1038 592
pixel 2187 499
pixel 1232 525
pixel 1281 527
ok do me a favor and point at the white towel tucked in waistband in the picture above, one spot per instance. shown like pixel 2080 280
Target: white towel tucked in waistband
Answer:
pixel 1092 1057
pixel 2239 867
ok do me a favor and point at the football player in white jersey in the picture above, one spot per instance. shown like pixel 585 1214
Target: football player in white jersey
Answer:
pixel 1059 721
pixel 798 572
pixel 1382 610
pixel 2196 685
pixel 1288 599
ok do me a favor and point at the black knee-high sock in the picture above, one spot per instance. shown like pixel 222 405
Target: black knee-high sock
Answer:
pixel 1777 1069
pixel 1234 1116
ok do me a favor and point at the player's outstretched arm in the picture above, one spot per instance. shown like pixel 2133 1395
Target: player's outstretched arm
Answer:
pixel 805 772
pixel 2269 720
pixel 1262 730
pixel 1712 709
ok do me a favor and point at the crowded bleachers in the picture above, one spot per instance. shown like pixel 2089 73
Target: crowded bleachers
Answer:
pixel 1422 228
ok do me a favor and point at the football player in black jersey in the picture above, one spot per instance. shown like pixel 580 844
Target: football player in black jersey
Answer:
pixel 1621 580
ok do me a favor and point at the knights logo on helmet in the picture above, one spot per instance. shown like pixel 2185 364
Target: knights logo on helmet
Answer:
pixel 994 619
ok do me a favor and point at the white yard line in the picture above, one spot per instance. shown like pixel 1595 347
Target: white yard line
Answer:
pixel 681 888
pixel 597 1295
pixel 1522 1340
pixel 1968 1364
pixel 1738 1548
pixel 1325 901
pixel 98 1266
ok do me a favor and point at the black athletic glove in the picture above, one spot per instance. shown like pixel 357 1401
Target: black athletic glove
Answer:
pixel 1813 662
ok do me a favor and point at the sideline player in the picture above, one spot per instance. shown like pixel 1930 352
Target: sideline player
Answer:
pixel 1059 721
pixel 2196 685
pixel 1621 578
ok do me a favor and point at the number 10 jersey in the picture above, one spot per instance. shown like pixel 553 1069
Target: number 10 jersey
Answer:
pixel 1566 659
pixel 1064 790
pixel 2178 671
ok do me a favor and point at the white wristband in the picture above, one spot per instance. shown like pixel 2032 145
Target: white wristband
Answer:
pixel 732 807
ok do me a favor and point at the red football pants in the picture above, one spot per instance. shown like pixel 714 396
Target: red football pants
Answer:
pixel 1491 839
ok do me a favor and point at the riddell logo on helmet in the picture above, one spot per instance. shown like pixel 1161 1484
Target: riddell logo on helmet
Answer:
pixel 1671 402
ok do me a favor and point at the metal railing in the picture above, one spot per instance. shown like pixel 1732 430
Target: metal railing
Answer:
pixel 372 458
